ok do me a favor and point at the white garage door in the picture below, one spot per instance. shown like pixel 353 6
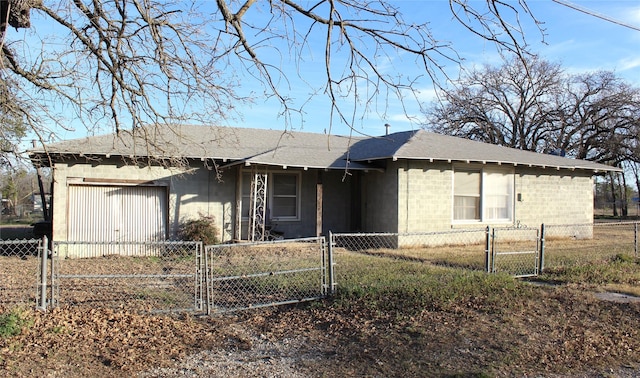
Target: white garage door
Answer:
pixel 117 213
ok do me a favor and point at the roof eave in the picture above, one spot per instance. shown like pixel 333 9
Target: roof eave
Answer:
pixel 601 168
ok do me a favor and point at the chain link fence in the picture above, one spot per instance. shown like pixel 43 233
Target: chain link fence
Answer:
pixel 352 253
pixel 20 272
pixel 185 276
pixel 580 244
pixel 518 251
pixel 251 275
pixel 153 276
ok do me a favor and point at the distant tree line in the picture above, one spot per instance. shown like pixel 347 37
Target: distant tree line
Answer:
pixel 19 191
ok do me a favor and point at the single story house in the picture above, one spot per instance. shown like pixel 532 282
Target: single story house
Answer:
pixel 141 185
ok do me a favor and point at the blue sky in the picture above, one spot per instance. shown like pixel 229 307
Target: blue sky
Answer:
pixel 585 43
pixel 578 41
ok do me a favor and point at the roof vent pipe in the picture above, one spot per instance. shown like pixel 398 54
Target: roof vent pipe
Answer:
pixel 386 127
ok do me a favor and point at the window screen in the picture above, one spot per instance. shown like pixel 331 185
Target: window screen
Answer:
pixel 284 203
pixel 283 195
pixel 498 189
pixel 485 195
pixel 466 189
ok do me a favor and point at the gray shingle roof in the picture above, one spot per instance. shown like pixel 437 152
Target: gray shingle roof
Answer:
pixel 299 149
pixel 423 145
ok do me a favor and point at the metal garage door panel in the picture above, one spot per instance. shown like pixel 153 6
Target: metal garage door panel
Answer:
pixel 143 213
pixel 117 213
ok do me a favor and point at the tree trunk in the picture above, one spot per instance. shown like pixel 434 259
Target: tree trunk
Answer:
pixel 613 193
pixel 635 168
pixel 636 173
pixel 623 196
pixel 16 13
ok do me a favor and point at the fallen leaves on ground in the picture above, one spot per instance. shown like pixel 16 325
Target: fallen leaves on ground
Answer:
pixel 564 331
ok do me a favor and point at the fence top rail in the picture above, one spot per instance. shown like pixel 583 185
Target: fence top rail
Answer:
pixel 20 241
pixel 313 239
pixel 604 224
pixel 593 224
pixel 421 233
pixel 124 243
pixel 515 228
pixel 366 234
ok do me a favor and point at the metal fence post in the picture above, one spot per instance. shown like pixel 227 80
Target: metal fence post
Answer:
pixel 43 252
pixel 487 256
pixel 331 277
pixel 200 279
pixel 207 278
pixel 541 262
pixel 635 238
pixel 493 250
pixel 53 301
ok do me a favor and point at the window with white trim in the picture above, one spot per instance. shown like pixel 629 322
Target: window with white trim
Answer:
pixel 482 195
pixel 283 195
pixel 498 196
pixel 466 195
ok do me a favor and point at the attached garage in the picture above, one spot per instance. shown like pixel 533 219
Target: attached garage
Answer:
pixel 110 213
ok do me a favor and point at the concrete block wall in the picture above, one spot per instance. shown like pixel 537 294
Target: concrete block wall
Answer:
pixel 409 196
pixel 198 193
pixel 553 197
pixel 380 200
pixel 425 196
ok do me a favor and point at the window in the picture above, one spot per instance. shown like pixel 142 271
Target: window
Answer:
pixel 482 195
pixel 283 195
pixel 466 197
pixel 498 189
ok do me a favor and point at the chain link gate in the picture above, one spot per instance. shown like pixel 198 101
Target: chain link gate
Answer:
pixel 23 272
pixel 163 276
pixel 515 251
pixel 260 274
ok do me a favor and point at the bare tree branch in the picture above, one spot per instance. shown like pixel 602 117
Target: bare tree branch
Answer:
pixel 593 116
pixel 124 64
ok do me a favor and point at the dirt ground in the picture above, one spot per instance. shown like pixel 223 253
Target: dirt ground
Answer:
pixel 565 332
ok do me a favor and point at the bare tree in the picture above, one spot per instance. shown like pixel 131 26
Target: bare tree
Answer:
pixel 16 13
pixel 598 119
pixel 536 106
pixel 119 65
pixel 512 105
pixel 633 163
pixel 18 187
pixel 12 128
pixel 634 168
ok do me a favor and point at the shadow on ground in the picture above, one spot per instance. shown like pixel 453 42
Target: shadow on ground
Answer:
pixel 12 232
